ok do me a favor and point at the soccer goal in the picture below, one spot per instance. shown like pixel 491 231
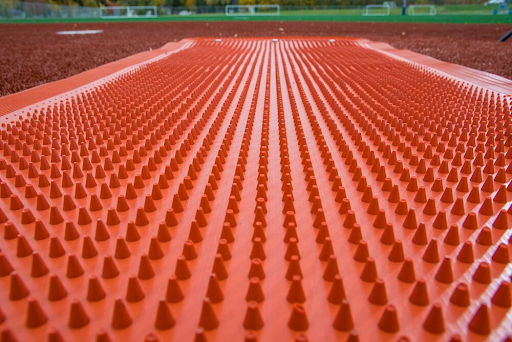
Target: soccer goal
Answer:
pixel 422 10
pixel 376 10
pixel 390 4
pixel 246 10
pixel 120 12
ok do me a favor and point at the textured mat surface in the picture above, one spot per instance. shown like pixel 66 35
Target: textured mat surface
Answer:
pixel 321 189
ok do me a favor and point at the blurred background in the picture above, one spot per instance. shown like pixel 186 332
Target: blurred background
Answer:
pixel 289 9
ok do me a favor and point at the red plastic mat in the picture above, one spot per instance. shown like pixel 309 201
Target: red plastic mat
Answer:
pixel 259 189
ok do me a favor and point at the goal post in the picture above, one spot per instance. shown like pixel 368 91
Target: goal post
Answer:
pixel 377 10
pixel 418 10
pixel 250 10
pixel 120 12
pixel 390 4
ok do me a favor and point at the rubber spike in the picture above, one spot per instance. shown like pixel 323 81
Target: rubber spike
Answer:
pixel 39 267
pixel 5 267
pixel 74 268
pixel 369 273
pixel 40 232
pixel 8 336
pixel 164 318
pixel 419 295
pixel 407 274
pixel 295 269
pixel 296 292
pixel 250 336
pixel 481 321
pixel 134 292
pixel 88 249
pixel 17 289
pixel 466 254
pixel 95 291
pixel 258 250
pixel 397 252
pixel 219 268
pixel 460 295
pixel 55 336
pixel 155 250
pixel 121 318
pixel 182 271
pixel 194 233
pixel 378 295
pixel 101 233
pixel 434 322
pixel 56 250
pixel 71 233
pixel 501 254
pixel 501 221
pixel 110 269
pixel 502 296
pixel 208 319
pixel 56 290
pixel 35 314
pixel 253 319
pixel 388 236
pixel 174 293
pixel 200 335
pixel 255 291
pixel 482 274
pixel 452 237
pixel 223 250
pixel 78 318
pixel 444 273
pixel 343 320
pixel 389 320
pixel 122 251
pixel 298 320
pixel 431 254
pixel 23 248
pixel 214 291
pixel 132 233
pixel 146 270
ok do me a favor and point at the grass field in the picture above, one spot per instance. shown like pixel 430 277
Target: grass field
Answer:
pixel 472 14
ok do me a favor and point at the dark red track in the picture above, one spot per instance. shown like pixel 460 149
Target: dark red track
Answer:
pixel 33 54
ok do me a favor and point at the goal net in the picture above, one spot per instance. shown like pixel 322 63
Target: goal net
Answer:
pixel 119 12
pixel 246 10
pixel 376 10
pixel 421 10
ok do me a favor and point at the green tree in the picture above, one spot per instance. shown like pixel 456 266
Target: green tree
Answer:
pixel 217 2
pixel 89 3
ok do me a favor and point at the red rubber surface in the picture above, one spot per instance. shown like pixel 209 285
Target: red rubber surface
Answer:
pixel 336 192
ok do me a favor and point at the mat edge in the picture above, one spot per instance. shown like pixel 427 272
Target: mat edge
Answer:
pixel 18 101
pixel 477 77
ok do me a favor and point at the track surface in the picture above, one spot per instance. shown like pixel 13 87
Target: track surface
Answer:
pixel 332 190
pixel 34 54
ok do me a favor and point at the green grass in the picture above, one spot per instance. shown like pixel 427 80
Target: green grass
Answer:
pixel 472 14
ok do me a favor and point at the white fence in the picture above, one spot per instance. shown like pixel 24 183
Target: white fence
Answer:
pixel 244 10
pixel 120 12
pixel 416 10
pixel 20 10
pixel 376 10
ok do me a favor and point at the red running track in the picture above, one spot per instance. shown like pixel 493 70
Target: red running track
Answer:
pixel 321 189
